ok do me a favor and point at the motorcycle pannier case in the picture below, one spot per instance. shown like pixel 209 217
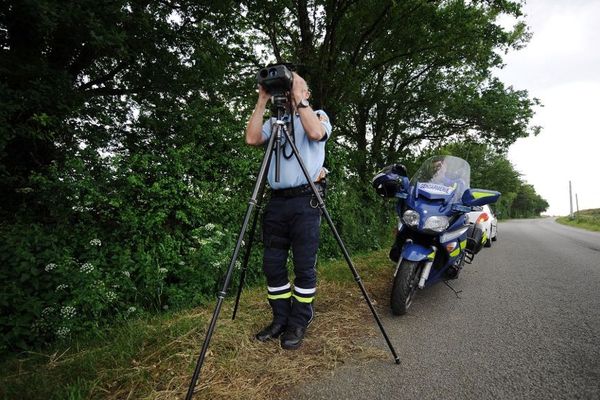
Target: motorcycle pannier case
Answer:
pixel 474 238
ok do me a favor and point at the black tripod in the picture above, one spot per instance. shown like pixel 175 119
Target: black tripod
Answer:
pixel 275 140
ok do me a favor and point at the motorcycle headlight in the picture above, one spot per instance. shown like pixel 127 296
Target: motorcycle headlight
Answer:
pixel 436 223
pixel 411 218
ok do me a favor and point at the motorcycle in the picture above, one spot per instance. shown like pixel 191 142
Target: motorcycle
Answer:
pixel 434 238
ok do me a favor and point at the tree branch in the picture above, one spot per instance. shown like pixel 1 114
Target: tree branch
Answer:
pixel 306 34
pixel 103 79
pixel 365 35
pixel 109 91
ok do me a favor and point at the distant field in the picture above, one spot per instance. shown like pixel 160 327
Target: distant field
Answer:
pixel 586 219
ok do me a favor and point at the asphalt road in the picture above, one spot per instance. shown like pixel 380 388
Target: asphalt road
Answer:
pixel 527 326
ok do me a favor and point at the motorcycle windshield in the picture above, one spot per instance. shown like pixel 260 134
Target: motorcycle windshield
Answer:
pixel 442 177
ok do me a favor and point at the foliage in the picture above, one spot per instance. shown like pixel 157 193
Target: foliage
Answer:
pixel 123 172
pixel 395 74
pixel 586 219
pixel 528 203
pixel 106 123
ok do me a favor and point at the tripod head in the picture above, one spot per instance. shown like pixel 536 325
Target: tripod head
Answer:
pixel 280 104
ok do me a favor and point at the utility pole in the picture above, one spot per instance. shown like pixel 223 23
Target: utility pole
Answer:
pixel 577 202
pixel 570 201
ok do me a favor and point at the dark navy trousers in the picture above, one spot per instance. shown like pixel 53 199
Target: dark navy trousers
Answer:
pixel 291 223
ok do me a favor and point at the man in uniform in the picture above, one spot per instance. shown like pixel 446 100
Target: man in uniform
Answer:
pixel 290 219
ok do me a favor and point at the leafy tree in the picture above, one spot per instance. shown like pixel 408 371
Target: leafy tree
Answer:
pixel 123 171
pixel 116 128
pixel 79 75
pixel 396 74
pixel 528 203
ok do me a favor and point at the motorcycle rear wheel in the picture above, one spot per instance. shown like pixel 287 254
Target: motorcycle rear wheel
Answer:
pixel 404 287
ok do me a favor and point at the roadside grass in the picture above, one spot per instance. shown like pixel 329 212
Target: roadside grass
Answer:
pixel 585 219
pixel 154 357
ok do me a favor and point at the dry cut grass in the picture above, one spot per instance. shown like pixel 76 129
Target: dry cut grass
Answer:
pixel 155 359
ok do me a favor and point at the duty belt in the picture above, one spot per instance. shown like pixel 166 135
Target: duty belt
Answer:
pixel 304 190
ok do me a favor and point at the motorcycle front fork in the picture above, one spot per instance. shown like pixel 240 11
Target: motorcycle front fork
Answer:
pixel 427 268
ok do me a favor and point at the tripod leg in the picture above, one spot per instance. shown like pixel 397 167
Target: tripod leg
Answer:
pixel 258 187
pixel 342 246
pixel 245 262
pixel 357 278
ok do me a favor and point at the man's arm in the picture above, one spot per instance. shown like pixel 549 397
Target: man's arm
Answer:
pixel 310 122
pixel 254 135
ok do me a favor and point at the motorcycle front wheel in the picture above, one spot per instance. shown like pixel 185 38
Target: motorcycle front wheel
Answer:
pixel 405 287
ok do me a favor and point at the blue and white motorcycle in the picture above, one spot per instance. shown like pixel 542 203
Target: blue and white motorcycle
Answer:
pixel 434 238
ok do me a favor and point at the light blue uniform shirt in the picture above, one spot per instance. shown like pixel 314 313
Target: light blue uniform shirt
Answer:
pixel 312 153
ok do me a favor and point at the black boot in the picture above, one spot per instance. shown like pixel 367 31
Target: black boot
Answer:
pixel 292 337
pixel 270 332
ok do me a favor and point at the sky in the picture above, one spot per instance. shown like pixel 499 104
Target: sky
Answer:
pixel 561 67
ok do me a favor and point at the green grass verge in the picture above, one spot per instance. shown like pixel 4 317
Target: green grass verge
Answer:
pixel 153 357
pixel 585 219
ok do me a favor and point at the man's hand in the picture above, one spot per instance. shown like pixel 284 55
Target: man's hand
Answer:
pixel 263 95
pixel 254 128
pixel 299 89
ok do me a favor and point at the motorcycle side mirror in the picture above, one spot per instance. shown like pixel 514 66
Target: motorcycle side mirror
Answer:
pixel 405 183
pixel 400 169
pixel 479 197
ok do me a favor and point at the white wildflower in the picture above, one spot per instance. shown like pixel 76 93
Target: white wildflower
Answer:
pixel 68 312
pixel 61 287
pixel 98 284
pixel 126 273
pixel 131 310
pixel 50 267
pixel 63 332
pixel 162 270
pixel 209 227
pixel 86 268
pixel 204 242
pixel 47 311
pixel 95 242
pixel 181 263
pixel 111 296
pixel 216 264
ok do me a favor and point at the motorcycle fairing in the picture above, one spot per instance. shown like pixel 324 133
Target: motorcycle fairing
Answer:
pixel 416 252
pixel 479 197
